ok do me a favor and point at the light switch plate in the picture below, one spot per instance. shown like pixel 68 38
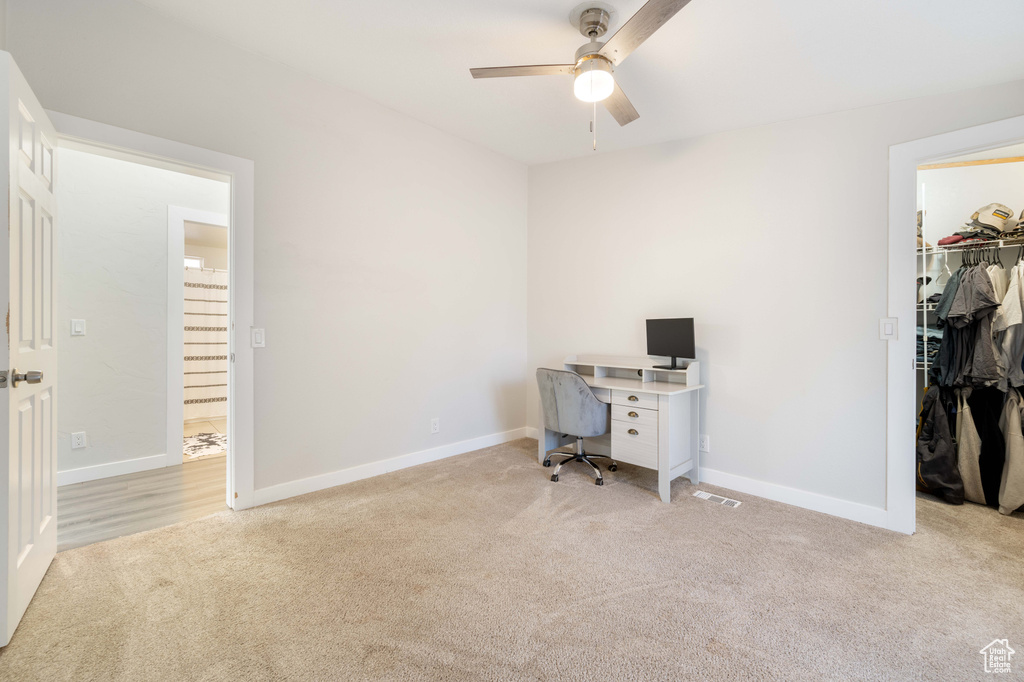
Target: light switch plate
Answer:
pixel 259 338
pixel 888 329
pixel 77 327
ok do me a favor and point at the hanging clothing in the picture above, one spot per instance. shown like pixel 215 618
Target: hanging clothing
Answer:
pixel 936 452
pixel 986 408
pixel 944 371
pixel 1000 280
pixel 1011 485
pixel 1007 332
pixel 975 301
pixel 968 449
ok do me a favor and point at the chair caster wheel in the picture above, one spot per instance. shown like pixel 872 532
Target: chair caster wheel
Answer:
pixel 547 462
pixel 599 481
pixel 613 467
pixel 554 477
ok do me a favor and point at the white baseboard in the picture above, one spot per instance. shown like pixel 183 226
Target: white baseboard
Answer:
pixel 532 432
pixel 302 486
pixel 128 466
pixel 872 516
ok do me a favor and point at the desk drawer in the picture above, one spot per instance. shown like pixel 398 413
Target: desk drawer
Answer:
pixel 636 415
pixel 635 444
pixel 647 401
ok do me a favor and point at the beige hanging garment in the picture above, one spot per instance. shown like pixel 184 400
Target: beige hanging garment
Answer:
pixel 968 449
pixel 1011 489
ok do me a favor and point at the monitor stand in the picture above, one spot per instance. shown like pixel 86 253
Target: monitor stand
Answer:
pixel 672 366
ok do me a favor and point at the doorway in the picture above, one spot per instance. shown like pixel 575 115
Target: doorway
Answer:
pixel 198 303
pixel 971 246
pixel 903 264
pixel 227 479
pixel 123 222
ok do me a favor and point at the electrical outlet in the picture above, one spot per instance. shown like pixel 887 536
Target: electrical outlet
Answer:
pixel 435 425
pixel 705 443
pixel 77 440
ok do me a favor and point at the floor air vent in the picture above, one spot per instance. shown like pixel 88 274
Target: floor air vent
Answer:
pixel 717 499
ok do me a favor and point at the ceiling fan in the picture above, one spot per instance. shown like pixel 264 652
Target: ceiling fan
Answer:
pixel 595 61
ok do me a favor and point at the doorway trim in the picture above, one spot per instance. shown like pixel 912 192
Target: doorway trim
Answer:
pixel 176 217
pixel 901 374
pixel 164 153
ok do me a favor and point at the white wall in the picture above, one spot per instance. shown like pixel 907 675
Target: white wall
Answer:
pixel 112 272
pixel 952 195
pixel 390 257
pixel 774 239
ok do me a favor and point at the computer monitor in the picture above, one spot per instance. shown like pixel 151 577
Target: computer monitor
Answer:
pixel 671 338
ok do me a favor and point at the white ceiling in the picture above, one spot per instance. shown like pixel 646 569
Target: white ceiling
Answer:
pixel 718 65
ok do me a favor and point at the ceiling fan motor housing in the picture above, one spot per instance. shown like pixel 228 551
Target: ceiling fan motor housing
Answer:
pixel 594 23
pixel 587 57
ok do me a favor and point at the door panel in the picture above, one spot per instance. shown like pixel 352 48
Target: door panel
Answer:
pixel 27 281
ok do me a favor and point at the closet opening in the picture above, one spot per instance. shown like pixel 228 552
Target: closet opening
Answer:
pixel 204 289
pixel 144 298
pixel 970 334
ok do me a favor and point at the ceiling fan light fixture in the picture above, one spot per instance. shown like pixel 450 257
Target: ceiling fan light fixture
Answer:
pixel 594 81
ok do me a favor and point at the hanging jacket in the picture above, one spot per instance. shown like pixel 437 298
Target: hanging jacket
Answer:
pixel 944 370
pixel 936 451
pixel 972 310
pixel 986 408
pixel 968 449
pixel 1007 331
pixel 1011 486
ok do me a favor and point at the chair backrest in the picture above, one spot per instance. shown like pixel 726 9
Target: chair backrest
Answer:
pixel 569 405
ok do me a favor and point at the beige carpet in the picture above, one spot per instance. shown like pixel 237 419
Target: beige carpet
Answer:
pixel 479 568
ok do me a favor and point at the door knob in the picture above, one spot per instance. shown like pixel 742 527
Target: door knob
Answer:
pixel 33 376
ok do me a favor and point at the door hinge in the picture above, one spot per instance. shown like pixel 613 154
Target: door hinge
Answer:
pixel 232 357
pixel 236 496
pixel 3 379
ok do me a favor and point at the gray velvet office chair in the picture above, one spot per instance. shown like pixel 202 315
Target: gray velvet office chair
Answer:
pixel 570 408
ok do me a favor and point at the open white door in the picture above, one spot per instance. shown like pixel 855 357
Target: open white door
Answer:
pixel 28 514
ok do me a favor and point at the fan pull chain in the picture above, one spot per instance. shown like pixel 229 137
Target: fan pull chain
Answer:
pixel 593 126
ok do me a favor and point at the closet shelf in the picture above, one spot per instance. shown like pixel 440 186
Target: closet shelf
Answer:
pixel 994 243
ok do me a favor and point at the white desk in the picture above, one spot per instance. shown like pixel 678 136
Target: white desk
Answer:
pixel 655 415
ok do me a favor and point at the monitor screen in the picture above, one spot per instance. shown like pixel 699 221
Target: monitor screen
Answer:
pixel 671 338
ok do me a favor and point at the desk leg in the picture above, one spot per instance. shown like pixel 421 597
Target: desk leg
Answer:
pixel 664 449
pixel 695 436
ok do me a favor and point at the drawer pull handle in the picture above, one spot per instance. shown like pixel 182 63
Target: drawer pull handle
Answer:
pixel 633 399
pixel 633 432
pixel 634 415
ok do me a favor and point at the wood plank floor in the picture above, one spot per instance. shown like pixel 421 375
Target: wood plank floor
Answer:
pixel 121 505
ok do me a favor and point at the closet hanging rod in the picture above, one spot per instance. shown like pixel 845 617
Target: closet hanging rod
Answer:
pixel 993 243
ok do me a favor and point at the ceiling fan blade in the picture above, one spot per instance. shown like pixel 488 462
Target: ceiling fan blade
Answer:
pixel 538 70
pixel 640 27
pixel 619 106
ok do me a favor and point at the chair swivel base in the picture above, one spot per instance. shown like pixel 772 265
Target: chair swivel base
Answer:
pixel 580 457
